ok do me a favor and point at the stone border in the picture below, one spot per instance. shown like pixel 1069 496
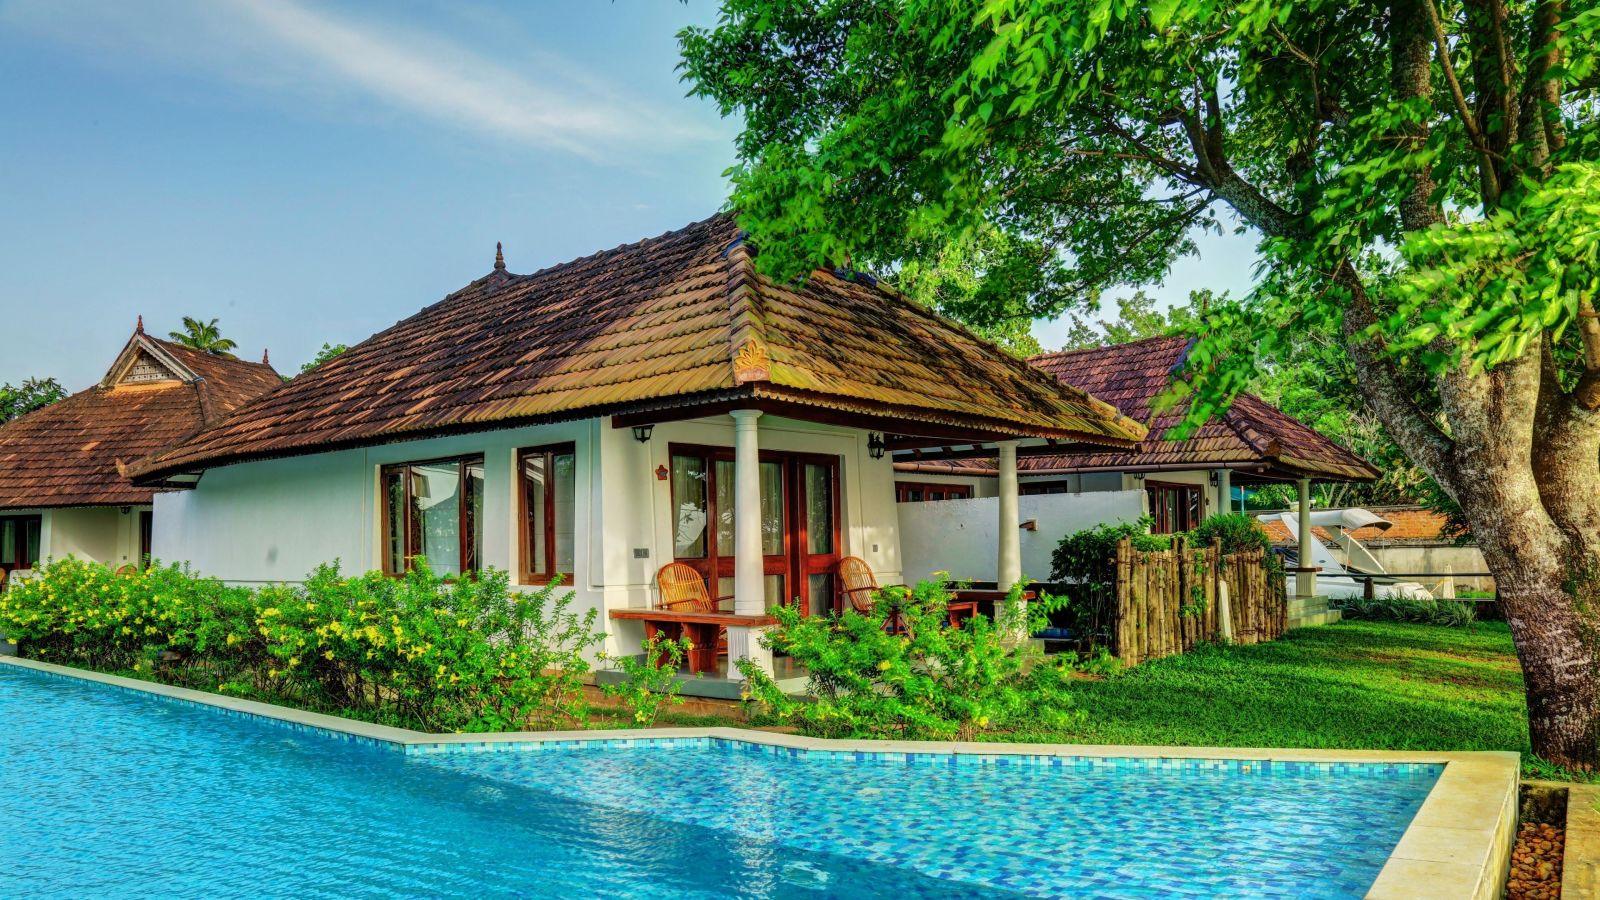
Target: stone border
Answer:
pixel 1458 846
pixel 1580 865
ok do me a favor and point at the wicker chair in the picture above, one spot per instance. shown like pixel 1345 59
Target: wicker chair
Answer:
pixel 857 583
pixel 683 589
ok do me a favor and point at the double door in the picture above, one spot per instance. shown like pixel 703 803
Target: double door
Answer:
pixel 799 523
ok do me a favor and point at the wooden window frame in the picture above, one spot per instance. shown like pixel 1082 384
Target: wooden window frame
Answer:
pixel 1044 488
pixel 525 542
pixel 469 547
pixel 717 564
pixel 1194 491
pixel 903 489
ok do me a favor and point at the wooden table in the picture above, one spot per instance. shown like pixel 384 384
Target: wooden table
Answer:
pixel 702 629
pixel 967 602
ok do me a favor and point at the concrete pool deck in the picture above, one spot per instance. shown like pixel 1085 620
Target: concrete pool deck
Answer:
pixel 1457 846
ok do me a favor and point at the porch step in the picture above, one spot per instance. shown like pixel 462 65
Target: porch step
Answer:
pixel 1306 611
pixel 1305 606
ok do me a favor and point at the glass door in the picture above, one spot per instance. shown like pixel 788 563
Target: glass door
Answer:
pixel 799 523
pixel 816 554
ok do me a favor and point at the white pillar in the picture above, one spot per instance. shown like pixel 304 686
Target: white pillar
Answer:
pixel 1305 583
pixel 1009 570
pixel 749 592
pixel 1225 490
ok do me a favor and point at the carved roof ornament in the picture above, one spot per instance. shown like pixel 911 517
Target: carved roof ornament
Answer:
pixel 499 258
pixel 751 363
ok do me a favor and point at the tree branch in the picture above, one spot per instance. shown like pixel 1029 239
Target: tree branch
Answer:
pixel 1468 120
pixel 1381 386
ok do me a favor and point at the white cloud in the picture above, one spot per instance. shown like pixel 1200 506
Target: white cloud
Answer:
pixel 282 45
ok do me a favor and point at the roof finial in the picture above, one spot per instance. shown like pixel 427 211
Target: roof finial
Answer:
pixel 499 258
pixel 139 328
pixel 264 360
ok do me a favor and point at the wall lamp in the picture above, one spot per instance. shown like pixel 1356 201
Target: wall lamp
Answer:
pixel 875 445
pixel 641 433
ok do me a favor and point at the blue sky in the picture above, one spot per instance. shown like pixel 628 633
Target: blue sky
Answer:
pixel 313 172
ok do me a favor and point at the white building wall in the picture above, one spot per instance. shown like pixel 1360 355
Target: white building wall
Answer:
pixel 961 536
pixel 276 520
pixel 102 534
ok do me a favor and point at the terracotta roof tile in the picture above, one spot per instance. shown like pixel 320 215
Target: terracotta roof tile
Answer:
pixel 1409 524
pixel 1132 375
pixel 677 320
pixel 68 453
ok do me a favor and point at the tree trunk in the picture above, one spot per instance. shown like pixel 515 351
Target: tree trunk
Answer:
pixel 1553 640
pixel 1519 484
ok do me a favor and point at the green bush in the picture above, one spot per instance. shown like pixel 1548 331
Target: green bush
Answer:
pixel 650 684
pixel 1405 609
pixel 421 651
pixel 928 681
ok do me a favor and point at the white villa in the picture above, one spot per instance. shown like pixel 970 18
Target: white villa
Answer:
pixel 62 490
pixel 660 402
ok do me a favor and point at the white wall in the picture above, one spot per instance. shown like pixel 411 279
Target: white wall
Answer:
pixel 276 520
pixel 962 536
pixel 103 534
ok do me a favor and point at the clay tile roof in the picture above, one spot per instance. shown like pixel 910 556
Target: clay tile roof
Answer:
pixel 1132 375
pixel 157 393
pixel 1410 524
pixel 675 321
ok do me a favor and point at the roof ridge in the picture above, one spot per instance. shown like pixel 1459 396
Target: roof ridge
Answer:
pixel 747 326
pixel 1103 348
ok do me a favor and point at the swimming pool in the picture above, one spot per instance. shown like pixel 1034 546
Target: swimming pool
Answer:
pixel 109 792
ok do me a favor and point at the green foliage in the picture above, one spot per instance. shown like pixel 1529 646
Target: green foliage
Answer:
pixel 927 681
pixel 1406 609
pixel 17 401
pixel 651 683
pixel 420 651
pixel 328 351
pixel 1138 317
pixel 1087 556
pixel 205 337
pixel 1237 532
pixel 1067 149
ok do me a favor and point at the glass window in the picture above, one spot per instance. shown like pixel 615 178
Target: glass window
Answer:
pixel 819 509
pixel 689 494
pixel 771 508
pixel 549 489
pixel 433 510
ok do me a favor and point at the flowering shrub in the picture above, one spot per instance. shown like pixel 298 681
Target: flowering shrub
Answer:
pixel 927 680
pixel 420 651
pixel 650 684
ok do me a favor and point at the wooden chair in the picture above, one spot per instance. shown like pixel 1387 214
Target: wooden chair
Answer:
pixel 857 584
pixel 683 589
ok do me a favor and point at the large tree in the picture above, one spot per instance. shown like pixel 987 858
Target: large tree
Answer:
pixel 1422 176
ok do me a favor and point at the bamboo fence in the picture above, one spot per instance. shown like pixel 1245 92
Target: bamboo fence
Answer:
pixel 1167 600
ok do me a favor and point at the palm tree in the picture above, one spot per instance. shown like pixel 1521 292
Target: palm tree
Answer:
pixel 203 336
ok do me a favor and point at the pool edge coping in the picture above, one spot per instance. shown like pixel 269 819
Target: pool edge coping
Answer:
pixel 1457 845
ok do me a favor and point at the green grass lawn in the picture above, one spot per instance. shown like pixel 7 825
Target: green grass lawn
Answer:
pixel 1355 685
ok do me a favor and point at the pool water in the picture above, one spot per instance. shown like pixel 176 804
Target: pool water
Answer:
pixel 106 792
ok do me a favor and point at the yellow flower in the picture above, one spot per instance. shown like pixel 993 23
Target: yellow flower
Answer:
pixel 327 654
pixel 883 666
